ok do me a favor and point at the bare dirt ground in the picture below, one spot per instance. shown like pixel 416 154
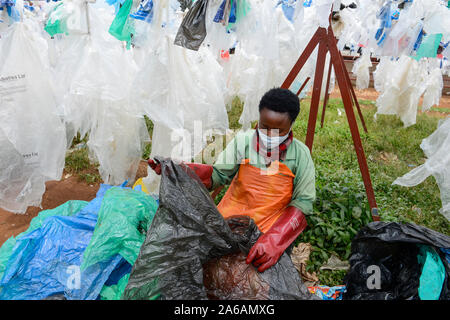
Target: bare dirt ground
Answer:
pixel 71 188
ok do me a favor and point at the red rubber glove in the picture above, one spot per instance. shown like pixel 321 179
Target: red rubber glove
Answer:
pixel 203 171
pixel 156 166
pixel 271 245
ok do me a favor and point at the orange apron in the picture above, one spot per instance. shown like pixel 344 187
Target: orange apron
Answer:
pixel 262 197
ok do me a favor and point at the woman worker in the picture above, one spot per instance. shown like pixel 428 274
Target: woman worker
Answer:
pixel 272 178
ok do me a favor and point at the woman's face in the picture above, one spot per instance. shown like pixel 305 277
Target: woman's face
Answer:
pixel 274 123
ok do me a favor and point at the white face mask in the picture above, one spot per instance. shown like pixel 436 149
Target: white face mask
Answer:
pixel 272 142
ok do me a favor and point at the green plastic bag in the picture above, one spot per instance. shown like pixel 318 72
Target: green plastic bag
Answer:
pixel 429 46
pixel 67 209
pixel 57 21
pixel 242 8
pixel 433 274
pixel 122 27
pixel 115 291
pixel 123 220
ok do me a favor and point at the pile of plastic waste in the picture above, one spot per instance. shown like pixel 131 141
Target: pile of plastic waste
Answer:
pixel 97 68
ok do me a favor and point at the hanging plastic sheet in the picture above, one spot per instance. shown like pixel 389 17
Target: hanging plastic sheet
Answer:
pixel 46 261
pixel 403 84
pixel 185 107
pixel 385 262
pixel 122 26
pixel 188 232
pixel 192 30
pixel 263 56
pixel 10 6
pixel 434 86
pixel 436 148
pixel 96 98
pixel 288 7
pixel 31 128
pixel 145 11
pixel 323 10
pixel 123 220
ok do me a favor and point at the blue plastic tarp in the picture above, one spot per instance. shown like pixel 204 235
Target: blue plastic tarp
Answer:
pixel 46 261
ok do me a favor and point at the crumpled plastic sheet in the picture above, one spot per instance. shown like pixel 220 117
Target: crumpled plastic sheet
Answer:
pixel 403 85
pixel 32 135
pixel 393 249
pixel 46 261
pixel 67 209
pixel 374 29
pixel 187 233
pixel 123 220
pixel 95 98
pixel 434 86
pixel 436 148
pixel 185 108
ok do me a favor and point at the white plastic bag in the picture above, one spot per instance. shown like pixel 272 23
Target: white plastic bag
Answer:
pixel 434 86
pixel 361 70
pixel 402 88
pixel 194 97
pixel 180 90
pixel 436 147
pixel 98 99
pixel 29 121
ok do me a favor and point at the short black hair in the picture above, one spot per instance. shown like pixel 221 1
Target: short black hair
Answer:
pixel 281 100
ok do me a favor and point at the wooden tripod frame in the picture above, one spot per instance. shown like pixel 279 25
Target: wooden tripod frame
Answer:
pixel 326 41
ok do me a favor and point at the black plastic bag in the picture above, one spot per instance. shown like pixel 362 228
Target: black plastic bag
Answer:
pixel 185 4
pixel 392 249
pixel 187 234
pixel 192 30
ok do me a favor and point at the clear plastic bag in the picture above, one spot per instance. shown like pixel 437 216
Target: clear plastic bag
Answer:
pixel 186 103
pixel 252 70
pixel 434 86
pixel 436 147
pixel 402 88
pixel 29 120
pixel 98 101
pixel 361 70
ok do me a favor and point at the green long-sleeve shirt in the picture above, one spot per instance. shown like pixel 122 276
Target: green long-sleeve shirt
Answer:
pixel 298 160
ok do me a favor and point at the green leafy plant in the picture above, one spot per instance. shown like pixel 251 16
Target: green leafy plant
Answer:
pixel 340 211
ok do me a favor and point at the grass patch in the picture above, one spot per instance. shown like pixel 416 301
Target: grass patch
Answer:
pixel 90 178
pixel 78 164
pixel 443 110
pixel 77 161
